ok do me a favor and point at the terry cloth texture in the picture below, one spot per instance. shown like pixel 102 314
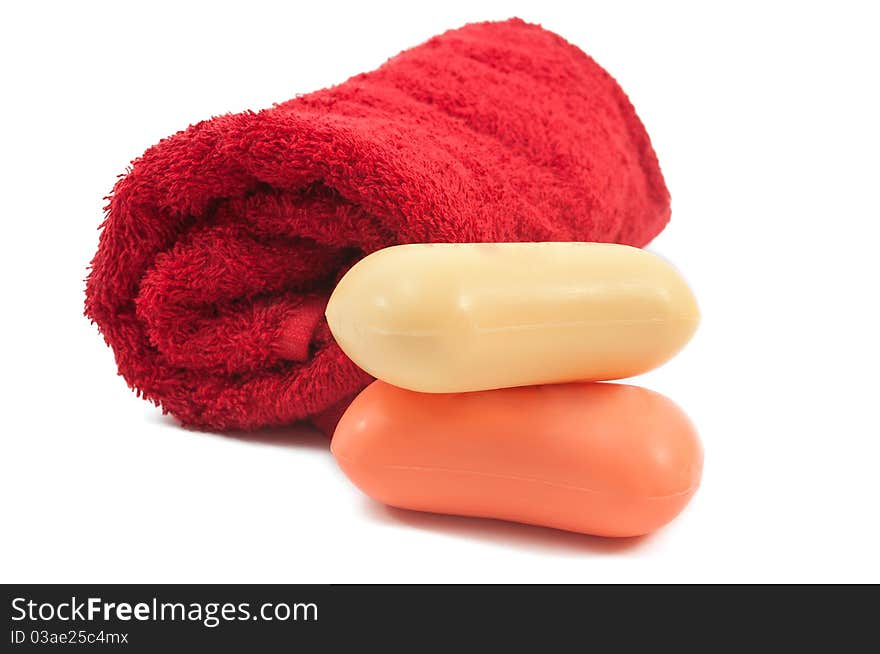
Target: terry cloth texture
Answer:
pixel 223 242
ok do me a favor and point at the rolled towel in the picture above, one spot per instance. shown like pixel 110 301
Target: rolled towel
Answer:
pixel 223 242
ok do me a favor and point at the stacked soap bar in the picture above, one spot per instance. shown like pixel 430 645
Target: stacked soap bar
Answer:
pixel 484 355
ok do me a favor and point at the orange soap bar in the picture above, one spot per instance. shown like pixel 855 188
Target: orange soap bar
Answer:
pixel 602 459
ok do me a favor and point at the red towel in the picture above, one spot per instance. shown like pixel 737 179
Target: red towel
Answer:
pixel 223 242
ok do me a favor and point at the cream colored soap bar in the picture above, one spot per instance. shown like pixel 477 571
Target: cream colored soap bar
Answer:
pixel 441 318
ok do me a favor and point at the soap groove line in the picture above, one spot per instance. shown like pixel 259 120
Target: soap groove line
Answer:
pixel 533 326
pixel 533 480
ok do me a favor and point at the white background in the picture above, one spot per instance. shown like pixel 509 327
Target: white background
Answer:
pixel 765 120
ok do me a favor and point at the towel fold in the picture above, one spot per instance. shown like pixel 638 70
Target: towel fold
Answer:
pixel 222 243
